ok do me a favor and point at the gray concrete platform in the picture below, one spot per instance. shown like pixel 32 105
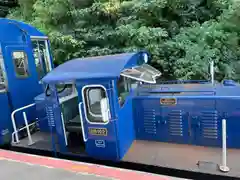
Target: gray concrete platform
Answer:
pixel 184 157
pixel 20 166
pixel 11 170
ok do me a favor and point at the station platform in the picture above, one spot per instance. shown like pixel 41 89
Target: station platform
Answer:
pixel 15 166
pixel 182 157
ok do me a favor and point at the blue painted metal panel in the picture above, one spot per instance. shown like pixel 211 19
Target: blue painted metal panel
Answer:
pixel 229 109
pixel 15 36
pixel 21 90
pixel 176 122
pixel 208 129
pixel 204 122
pixel 101 147
pixel 5 120
pixel 125 127
pixel 53 112
pixel 41 112
pixel 16 30
pixel 162 123
pixel 190 121
pixel 148 119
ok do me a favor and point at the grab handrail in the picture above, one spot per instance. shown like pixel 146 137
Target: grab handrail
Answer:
pixel 81 118
pixel 15 132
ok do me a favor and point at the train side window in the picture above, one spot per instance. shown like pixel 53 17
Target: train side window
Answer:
pixel 2 79
pixel 41 57
pixel 124 86
pixel 92 101
pixel 20 61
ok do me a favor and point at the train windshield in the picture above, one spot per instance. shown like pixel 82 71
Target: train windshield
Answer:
pixel 143 73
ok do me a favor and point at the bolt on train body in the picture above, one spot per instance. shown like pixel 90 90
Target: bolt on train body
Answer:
pixel 110 107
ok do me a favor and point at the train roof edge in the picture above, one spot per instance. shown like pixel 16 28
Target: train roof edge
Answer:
pixel 109 66
pixel 18 28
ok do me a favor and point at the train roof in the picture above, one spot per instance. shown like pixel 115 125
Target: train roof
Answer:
pixel 12 30
pixel 109 66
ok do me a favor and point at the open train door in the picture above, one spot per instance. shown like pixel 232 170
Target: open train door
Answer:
pixel 97 119
pixel 130 108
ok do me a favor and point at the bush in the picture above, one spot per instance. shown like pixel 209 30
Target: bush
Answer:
pixel 183 36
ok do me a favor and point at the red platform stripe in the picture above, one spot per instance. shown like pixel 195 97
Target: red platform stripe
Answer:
pixel 77 167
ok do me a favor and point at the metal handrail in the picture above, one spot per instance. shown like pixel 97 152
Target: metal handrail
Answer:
pixel 30 141
pixel 223 166
pixel 81 118
pixel 15 132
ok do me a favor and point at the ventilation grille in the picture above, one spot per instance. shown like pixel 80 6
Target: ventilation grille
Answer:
pixel 209 124
pixel 50 116
pixel 150 125
pixel 175 124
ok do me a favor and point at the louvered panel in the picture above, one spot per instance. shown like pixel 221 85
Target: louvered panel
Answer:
pixel 209 124
pixel 50 115
pixel 149 121
pixel 175 123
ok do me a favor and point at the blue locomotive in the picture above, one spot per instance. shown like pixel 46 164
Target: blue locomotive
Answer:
pixel 24 59
pixel 109 107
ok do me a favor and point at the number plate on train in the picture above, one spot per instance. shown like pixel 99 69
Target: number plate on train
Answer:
pixel 168 101
pixel 98 131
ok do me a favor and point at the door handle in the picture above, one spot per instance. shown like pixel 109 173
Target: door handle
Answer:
pixel 163 122
pixel 81 118
pixel 196 122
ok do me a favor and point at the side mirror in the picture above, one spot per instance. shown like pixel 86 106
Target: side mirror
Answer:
pixel 105 110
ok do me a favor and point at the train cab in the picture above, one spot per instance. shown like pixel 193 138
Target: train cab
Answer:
pixel 114 108
pixel 88 104
pixel 24 59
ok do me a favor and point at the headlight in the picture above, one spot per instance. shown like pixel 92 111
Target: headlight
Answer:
pixel 145 57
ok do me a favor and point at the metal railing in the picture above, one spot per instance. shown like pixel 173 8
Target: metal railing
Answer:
pixel 15 130
pixel 223 166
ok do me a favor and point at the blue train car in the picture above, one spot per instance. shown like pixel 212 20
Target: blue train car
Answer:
pixel 188 113
pixel 24 59
pixel 111 107
pixel 87 105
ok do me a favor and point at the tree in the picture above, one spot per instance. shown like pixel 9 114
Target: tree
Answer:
pixel 6 5
pixel 183 36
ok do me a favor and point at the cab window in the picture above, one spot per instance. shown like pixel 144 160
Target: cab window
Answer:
pixel 2 79
pixel 124 86
pixel 20 61
pixel 41 58
pixel 92 102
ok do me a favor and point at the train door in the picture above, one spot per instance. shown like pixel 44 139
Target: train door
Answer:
pixel 23 83
pixel 5 136
pixel 174 120
pixel 98 122
pixel 206 126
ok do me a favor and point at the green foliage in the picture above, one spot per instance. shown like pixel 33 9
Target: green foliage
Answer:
pixel 183 36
